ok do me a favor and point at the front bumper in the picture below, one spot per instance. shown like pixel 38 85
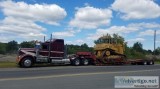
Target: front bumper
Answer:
pixel 18 59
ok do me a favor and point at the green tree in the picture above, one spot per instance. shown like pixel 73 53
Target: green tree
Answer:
pixel 157 51
pixel 12 47
pixel 115 38
pixel 27 44
pixel 127 51
pixel 118 38
pixel 148 52
pixel 138 47
pixel 137 50
pixel 84 45
pixel 72 49
pixel 2 48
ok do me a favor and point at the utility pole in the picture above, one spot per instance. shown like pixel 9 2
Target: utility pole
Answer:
pixel 44 39
pixel 154 42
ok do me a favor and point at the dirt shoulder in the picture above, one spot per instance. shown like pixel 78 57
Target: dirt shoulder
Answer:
pixel 8 58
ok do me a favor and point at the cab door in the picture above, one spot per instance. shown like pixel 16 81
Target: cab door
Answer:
pixel 44 51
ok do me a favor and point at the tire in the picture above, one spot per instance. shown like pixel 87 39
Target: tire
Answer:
pixel 26 62
pixel 133 63
pixel 151 63
pixel 76 62
pixel 144 63
pixel 85 62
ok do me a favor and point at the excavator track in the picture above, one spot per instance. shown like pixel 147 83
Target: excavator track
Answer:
pixel 110 57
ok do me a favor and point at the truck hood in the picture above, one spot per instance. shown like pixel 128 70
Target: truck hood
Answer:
pixel 27 51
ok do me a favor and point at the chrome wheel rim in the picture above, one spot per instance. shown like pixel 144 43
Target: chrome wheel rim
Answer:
pixel 145 63
pixel 77 62
pixel 85 62
pixel 27 63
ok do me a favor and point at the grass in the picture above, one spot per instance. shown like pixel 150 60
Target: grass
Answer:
pixel 7 64
pixel 157 62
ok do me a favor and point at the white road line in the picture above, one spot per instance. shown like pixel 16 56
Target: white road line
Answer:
pixel 72 75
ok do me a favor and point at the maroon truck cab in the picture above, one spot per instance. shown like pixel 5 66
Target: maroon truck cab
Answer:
pixel 50 52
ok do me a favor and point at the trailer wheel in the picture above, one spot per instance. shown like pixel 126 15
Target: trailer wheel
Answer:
pixel 76 62
pixel 26 62
pixel 151 63
pixel 144 63
pixel 85 62
pixel 133 63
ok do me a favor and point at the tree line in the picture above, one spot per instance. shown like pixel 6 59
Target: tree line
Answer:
pixel 72 49
pixel 136 51
pixel 13 46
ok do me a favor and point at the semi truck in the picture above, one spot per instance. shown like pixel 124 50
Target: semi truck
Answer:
pixel 54 51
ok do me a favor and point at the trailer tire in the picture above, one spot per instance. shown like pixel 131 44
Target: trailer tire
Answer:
pixel 26 62
pixel 76 62
pixel 85 62
pixel 151 63
pixel 145 63
pixel 133 63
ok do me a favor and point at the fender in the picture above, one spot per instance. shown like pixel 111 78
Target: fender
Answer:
pixel 21 57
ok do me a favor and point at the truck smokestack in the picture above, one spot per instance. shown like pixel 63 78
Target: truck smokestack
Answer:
pixel 50 47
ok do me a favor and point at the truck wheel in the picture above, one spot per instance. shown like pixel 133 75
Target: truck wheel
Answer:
pixel 133 63
pixel 27 62
pixel 76 62
pixel 85 62
pixel 144 63
pixel 151 63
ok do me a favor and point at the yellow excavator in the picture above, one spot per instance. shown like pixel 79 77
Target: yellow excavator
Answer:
pixel 110 50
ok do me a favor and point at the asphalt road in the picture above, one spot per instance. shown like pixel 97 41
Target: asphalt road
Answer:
pixel 71 77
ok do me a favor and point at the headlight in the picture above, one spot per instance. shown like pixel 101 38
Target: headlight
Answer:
pixel 19 56
pixel 18 59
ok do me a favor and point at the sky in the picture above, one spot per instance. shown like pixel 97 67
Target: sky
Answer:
pixel 80 21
